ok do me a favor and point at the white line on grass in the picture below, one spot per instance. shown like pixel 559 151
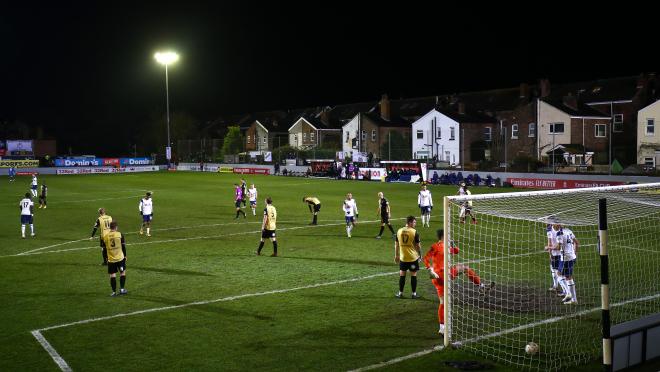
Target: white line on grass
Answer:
pixel 223 299
pixel 183 239
pixel 503 332
pixel 134 232
pixel 51 351
pixel 65 367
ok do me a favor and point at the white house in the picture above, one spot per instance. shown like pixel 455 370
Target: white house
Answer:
pixel 349 134
pixel 648 138
pixel 436 135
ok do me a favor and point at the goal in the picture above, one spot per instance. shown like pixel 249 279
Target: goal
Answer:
pixel 504 244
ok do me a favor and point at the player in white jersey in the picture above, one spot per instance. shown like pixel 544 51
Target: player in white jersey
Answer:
pixel 146 208
pixel 568 244
pixel 351 213
pixel 27 211
pixel 252 194
pixel 555 258
pixel 34 185
pixel 425 203
pixel 466 206
pixel 461 189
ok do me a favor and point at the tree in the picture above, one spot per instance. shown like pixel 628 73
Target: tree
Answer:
pixel 233 143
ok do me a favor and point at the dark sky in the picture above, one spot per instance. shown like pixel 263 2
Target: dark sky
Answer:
pixel 70 68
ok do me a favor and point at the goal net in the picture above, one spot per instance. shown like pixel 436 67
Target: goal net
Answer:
pixel 505 245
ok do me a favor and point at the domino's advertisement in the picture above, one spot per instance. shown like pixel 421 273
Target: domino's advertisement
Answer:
pixel 99 162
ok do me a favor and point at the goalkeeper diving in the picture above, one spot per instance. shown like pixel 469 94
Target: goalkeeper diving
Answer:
pixel 434 260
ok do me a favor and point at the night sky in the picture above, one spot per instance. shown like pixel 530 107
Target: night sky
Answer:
pixel 72 69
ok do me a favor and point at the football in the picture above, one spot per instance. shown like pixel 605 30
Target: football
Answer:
pixel 532 348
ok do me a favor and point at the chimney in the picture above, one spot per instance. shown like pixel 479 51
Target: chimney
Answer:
pixel 545 87
pixel 325 116
pixel 524 91
pixel 571 101
pixel 384 107
pixel 461 108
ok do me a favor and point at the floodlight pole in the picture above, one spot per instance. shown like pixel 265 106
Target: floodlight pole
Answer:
pixel 167 104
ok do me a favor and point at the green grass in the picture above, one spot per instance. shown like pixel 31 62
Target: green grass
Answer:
pixel 198 252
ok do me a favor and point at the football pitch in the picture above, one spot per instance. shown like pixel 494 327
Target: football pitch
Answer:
pixel 199 298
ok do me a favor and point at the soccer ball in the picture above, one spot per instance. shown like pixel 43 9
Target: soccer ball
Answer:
pixel 532 348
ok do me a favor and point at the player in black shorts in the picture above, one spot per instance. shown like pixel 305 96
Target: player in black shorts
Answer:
pixel 42 196
pixel 384 212
pixel 314 205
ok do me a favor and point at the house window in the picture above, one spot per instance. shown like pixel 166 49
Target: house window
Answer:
pixel 295 138
pixel 311 136
pixel 488 134
pixel 373 135
pixel 514 131
pixel 263 140
pixel 532 130
pixel 649 162
pixel 556 128
pixel 248 139
pixel 618 123
pixel 452 133
pixel 600 130
pixel 650 127
pixel 438 133
pixel 364 135
pixel 420 134
pixel 304 137
pixel 348 137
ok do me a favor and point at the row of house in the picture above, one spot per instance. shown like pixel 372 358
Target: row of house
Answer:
pixel 581 123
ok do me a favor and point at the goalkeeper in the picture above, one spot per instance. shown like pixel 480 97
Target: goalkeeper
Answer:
pixel 435 256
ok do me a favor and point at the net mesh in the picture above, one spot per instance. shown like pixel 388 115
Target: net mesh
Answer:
pixel 504 245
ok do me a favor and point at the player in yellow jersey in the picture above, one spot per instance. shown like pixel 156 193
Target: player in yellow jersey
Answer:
pixel 314 205
pixel 102 223
pixel 116 248
pixel 268 227
pixel 407 253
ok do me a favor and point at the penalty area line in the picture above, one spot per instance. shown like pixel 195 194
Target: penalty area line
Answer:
pixel 35 252
pixel 61 363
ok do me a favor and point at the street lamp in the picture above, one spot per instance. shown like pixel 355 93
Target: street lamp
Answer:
pixel 165 59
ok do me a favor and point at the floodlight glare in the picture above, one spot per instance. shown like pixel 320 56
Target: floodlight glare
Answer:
pixel 166 58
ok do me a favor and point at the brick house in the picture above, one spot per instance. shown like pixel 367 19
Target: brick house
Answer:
pixel 313 128
pixel 571 125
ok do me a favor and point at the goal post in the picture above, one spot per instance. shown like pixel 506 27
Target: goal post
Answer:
pixel 502 288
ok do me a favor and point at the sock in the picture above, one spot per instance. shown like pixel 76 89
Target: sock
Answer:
pixel 428 219
pixel 148 228
pixel 402 283
pixel 32 228
pixel 237 214
pixel 413 283
pixel 113 284
pixel 104 254
pixel 275 247
pixel 381 230
pixel 122 281
pixel 472 276
pixel 391 229
pixel 23 230
pixel 254 211
pixel 261 245
pixel 564 286
pixel 314 221
pixel 571 286
pixel 244 215
pixel 441 313
pixel 554 277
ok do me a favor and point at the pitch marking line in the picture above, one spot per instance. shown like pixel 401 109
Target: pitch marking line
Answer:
pixel 51 351
pixel 34 252
pixel 133 232
pixel 502 333
pixel 37 333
